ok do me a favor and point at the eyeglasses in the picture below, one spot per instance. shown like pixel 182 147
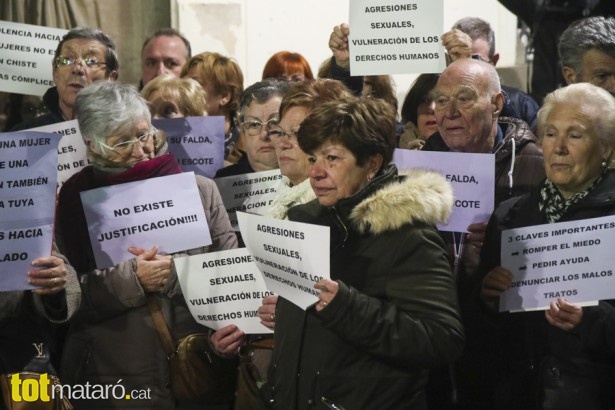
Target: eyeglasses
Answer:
pixel 279 132
pixel 255 127
pixel 84 61
pixel 126 147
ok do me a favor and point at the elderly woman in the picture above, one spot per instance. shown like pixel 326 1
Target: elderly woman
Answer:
pixel 112 336
pixel 389 311
pixel 172 97
pixel 563 358
pixel 258 113
pixel 287 66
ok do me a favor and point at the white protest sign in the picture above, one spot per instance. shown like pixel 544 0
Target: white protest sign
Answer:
pixel 396 37
pixel 196 142
pixel 223 288
pixel 27 203
pixel 26 60
pixel 471 175
pixel 252 192
pixel 573 260
pixel 165 211
pixel 71 150
pixel 292 256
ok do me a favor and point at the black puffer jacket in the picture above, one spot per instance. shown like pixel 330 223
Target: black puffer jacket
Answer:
pixel 395 314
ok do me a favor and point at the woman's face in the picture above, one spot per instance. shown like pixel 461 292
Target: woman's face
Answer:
pixel 292 77
pixel 163 107
pixel 292 160
pixel 128 150
pixel 572 152
pixel 215 102
pixel 426 118
pixel 335 175
pixel 257 122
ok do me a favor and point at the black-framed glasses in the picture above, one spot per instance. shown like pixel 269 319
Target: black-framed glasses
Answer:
pixel 89 62
pixel 255 127
pixel 126 147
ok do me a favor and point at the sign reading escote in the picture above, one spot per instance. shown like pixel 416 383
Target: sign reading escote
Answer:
pixel 164 211
pixel 71 150
pixel 27 203
pixel 252 193
pixel 223 288
pixel 292 256
pixel 396 37
pixel 572 260
pixel 196 142
pixel 471 175
pixel 26 56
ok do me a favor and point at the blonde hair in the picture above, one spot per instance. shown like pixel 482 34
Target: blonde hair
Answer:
pixel 185 92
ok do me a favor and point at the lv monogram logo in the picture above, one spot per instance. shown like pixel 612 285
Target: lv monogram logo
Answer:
pixel 40 349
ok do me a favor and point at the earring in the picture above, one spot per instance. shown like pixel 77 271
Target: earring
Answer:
pixel 369 178
pixel 604 164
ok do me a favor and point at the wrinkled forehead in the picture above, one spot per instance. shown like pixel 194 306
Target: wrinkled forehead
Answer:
pixel 455 81
pixel 82 46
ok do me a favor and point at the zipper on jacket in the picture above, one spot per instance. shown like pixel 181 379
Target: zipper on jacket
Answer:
pixel 339 220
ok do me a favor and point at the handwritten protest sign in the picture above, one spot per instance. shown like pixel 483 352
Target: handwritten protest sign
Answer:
pixel 471 175
pixel 164 211
pixel 71 150
pixel 223 288
pixel 196 142
pixel 292 256
pixel 26 57
pixel 573 260
pixel 396 37
pixel 27 203
pixel 252 193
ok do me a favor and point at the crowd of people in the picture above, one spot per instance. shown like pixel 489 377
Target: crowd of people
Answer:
pixel 409 317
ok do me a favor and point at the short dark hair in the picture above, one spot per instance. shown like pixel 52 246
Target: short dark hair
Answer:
pixel 418 93
pixel 111 61
pixel 169 32
pixel 365 126
pixel 261 92
pixel 477 28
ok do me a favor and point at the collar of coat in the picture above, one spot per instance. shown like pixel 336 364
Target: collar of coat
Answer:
pixel 391 201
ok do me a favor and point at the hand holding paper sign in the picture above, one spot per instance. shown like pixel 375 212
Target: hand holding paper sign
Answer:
pixel 153 269
pixel 457 44
pixel 328 290
pixel 476 235
pixel 338 43
pixel 267 311
pixel 564 315
pixel 50 275
pixel 496 282
pixel 228 339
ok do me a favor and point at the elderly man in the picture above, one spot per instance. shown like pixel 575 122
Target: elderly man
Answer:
pixel 587 52
pixel 520 105
pixel 468 103
pixel 84 55
pixel 164 52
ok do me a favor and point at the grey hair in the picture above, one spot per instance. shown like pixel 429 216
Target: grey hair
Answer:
pixel 587 95
pixel 261 92
pixel 584 35
pixel 105 108
pixel 111 61
pixel 477 28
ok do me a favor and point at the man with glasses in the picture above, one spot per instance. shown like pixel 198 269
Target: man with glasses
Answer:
pixel 258 115
pixel 84 55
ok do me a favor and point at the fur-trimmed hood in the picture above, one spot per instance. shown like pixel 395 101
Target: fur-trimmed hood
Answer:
pixel 413 196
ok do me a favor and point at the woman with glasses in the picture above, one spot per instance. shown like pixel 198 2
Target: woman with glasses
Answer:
pixel 112 336
pixel 258 114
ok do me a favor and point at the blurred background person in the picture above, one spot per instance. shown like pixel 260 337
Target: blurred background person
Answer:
pixel 84 55
pixel 164 52
pixel 417 113
pixel 287 66
pixel 258 113
pixel 21 107
pixel 172 97
pixel 113 334
pixel 389 311
pixel 222 80
pixel 563 358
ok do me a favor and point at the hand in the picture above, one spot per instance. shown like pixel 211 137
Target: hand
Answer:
pixel 51 277
pixel 457 44
pixel 564 315
pixel 338 43
pixel 496 282
pixel 328 290
pixel 228 340
pixel 266 311
pixel 153 269
pixel 476 237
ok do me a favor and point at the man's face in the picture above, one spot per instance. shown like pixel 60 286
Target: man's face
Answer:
pixel 598 68
pixel 480 49
pixel 464 110
pixel 70 79
pixel 163 55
